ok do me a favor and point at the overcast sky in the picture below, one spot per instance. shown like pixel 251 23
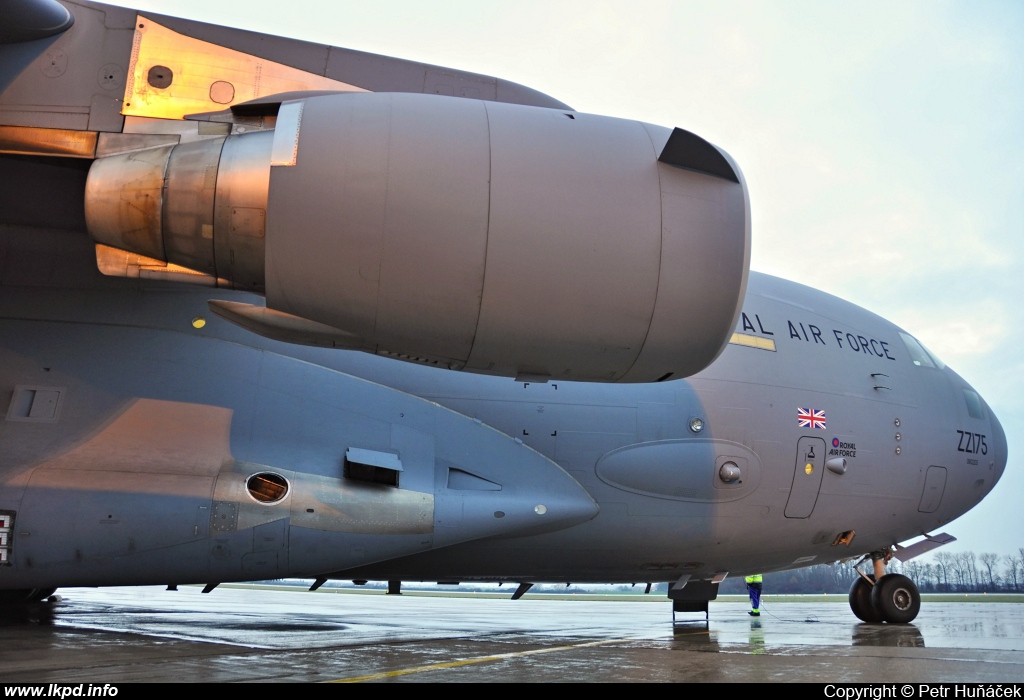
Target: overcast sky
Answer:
pixel 883 143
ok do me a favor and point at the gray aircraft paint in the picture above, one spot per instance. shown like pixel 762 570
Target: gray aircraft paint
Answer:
pixel 129 432
pixel 124 342
pixel 401 221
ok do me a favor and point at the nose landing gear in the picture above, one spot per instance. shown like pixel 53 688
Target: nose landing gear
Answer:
pixel 860 598
pixel 882 597
pixel 897 599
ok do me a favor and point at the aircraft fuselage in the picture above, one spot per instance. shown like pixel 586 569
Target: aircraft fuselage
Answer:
pixel 131 436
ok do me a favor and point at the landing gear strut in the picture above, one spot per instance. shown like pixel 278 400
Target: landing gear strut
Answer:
pixel 882 597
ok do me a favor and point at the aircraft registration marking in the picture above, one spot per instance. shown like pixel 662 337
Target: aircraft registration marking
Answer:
pixel 477 660
pixel 973 443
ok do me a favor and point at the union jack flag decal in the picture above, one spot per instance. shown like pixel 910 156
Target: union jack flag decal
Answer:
pixel 809 418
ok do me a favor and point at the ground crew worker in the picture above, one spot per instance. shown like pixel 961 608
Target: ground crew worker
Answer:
pixel 754 591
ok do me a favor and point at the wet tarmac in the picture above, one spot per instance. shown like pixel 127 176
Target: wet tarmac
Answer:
pixel 148 634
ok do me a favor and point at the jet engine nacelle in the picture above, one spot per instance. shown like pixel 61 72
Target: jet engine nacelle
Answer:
pixel 473 235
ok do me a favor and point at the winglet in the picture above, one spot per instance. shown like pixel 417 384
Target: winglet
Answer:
pixel 690 152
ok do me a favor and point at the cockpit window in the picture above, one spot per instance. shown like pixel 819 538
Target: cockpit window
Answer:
pixel 974 406
pixel 919 354
pixel 935 358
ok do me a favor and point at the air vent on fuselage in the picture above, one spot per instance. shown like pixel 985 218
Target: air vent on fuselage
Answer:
pixel 372 467
pixel 35 403
pixel 267 487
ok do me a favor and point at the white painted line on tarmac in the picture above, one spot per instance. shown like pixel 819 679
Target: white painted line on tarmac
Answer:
pixel 478 660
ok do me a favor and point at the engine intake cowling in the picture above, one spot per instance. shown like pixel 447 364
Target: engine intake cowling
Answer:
pixel 473 235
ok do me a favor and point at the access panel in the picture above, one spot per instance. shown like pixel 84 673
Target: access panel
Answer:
pixel 934 485
pixel 810 463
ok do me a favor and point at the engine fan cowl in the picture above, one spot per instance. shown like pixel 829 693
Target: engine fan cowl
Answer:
pixel 490 237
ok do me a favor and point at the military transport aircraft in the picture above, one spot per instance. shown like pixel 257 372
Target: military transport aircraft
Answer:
pixel 276 309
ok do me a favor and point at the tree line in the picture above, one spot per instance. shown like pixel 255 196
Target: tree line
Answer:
pixel 942 572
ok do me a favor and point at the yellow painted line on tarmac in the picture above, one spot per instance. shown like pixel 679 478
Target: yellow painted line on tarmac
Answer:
pixel 477 660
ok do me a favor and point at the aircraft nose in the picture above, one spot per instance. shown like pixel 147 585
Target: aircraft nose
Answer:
pixel 999 448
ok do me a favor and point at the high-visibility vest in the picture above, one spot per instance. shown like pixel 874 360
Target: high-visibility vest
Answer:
pixel 753 578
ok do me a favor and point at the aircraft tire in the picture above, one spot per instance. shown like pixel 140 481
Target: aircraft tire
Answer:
pixel 896 598
pixel 860 600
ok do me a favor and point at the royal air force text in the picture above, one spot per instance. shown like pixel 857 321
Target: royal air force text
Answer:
pixel 810 333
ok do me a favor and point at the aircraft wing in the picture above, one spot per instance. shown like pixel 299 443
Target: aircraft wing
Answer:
pixel 194 132
pixel 78 79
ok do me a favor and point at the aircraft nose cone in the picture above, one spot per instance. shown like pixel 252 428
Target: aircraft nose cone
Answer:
pixel 999 448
